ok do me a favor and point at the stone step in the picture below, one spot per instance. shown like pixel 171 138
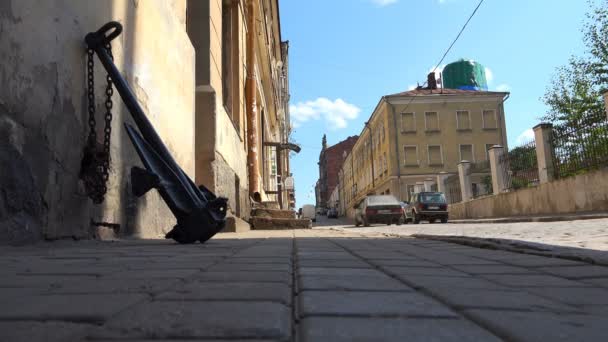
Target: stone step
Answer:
pixel 235 225
pixel 273 213
pixel 266 223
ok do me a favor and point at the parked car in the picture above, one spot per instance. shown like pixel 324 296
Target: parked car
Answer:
pixel 429 206
pixel 332 213
pixel 379 209
pixel 308 212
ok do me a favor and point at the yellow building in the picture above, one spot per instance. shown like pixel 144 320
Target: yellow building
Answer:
pixel 418 135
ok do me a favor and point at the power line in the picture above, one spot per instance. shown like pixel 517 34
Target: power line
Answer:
pixel 447 51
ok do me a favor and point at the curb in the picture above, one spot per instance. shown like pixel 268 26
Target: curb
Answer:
pixel 532 219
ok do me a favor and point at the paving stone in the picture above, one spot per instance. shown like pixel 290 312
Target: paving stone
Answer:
pixel 539 261
pixel 76 308
pixel 263 260
pixel 576 272
pixel 115 285
pixel 351 303
pixel 404 262
pixel 274 292
pixel 542 326
pixel 498 299
pixel 493 269
pixel 430 271
pixel 246 276
pixel 20 331
pixel 348 329
pixel 155 274
pixel 325 256
pixel 225 267
pixel 341 282
pixel 333 263
pixel 40 281
pixel 601 282
pixel 573 295
pixel 171 265
pixel 430 282
pixel 202 320
pixel 532 280
pixel 382 255
pixel 312 271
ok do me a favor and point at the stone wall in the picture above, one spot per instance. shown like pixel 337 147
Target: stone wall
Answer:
pixel 43 113
pixel 583 193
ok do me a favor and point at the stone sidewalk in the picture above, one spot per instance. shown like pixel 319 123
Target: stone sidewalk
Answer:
pixel 313 285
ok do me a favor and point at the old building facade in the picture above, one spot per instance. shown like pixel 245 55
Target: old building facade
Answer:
pixel 211 76
pixel 330 162
pixel 415 136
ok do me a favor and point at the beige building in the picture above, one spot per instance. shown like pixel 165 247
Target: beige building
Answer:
pixel 211 75
pixel 415 136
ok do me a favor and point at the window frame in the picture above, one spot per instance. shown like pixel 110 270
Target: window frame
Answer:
pixel 483 119
pixel 458 128
pixel 426 127
pixel 472 152
pixel 428 147
pixel 414 130
pixel 405 156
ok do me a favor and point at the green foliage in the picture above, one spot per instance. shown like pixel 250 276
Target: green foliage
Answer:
pixel 575 93
pixel 487 182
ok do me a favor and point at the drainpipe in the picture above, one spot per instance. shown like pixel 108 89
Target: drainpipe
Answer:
pixel 251 104
pixel 396 146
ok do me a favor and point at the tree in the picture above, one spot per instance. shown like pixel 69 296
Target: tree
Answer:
pixel 574 95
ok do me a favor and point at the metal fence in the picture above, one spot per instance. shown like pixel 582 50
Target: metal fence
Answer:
pixel 452 189
pixel 579 148
pixel 483 187
pixel 520 166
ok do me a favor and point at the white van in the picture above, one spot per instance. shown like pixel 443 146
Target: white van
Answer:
pixel 308 212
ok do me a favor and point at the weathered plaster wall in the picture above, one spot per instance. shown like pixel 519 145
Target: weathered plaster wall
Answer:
pixel 582 193
pixel 43 112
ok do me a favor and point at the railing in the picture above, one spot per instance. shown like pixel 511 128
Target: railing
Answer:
pixel 579 148
pixel 453 193
pixel 520 166
pixel 484 187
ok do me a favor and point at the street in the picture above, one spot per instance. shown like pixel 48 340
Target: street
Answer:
pixel 584 237
pixel 304 285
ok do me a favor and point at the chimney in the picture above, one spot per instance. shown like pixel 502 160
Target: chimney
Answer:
pixel 432 82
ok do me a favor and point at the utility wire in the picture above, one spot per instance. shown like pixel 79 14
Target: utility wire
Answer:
pixel 447 51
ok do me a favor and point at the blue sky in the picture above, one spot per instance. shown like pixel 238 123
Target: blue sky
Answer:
pixel 346 54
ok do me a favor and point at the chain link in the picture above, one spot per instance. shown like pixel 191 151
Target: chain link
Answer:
pixel 95 168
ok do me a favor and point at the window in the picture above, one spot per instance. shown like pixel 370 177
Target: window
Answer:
pixel 411 155
pixel 463 120
pixel 466 153
pixel 435 155
pixel 408 122
pixel 489 119
pixel 431 121
pixel 229 61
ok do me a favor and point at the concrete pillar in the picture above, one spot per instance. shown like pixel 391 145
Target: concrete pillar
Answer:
pixel 428 183
pixel 464 172
pixel 606 103
pixel 499 172
pixel 419 187
pixel 441 178
pixel 544 152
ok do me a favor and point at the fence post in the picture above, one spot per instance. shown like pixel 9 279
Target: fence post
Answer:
pixel 499 176
pixel 544 152
pixel 441 178
pixel 464 172
pixel 606 103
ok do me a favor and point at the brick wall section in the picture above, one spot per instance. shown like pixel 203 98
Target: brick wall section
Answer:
pixel 330 162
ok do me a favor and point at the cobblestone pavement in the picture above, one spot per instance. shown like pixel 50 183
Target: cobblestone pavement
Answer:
pixel 312 285
pixel 584 238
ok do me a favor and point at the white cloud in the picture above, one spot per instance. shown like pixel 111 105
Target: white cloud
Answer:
pixel 503 87
pixel 489 75
pixel 525 137
pixel 383 3
pixel 335 113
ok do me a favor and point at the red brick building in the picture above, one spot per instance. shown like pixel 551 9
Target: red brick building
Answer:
pixel 330 162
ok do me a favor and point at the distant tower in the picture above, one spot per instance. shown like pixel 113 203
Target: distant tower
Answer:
pixel 324 141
